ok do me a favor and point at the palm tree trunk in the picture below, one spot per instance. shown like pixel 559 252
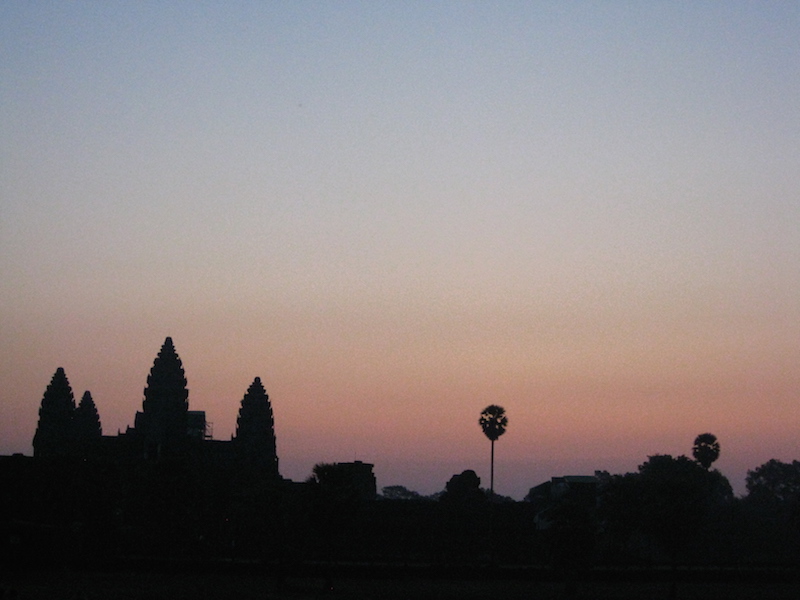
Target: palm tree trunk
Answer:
pixel 491 476
pixel 491 509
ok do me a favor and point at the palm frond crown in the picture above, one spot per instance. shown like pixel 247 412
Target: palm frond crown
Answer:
pixel 493 421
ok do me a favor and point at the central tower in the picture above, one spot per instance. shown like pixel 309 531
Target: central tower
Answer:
pixel 162 425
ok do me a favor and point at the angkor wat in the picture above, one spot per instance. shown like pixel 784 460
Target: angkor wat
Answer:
pixel 164 495
pixel 165 431
pixel 163 486
pixel 165 428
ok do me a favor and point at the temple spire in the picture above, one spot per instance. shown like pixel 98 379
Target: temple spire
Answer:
pixel 255 429
pixel 162 422
pixel 54 433
pixel 86 420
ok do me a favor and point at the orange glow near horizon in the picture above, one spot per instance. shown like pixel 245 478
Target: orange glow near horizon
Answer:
pixel 397 407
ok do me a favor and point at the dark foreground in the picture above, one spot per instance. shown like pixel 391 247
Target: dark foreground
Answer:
pixel 371 582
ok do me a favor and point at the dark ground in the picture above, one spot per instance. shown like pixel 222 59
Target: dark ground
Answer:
pixel 124 585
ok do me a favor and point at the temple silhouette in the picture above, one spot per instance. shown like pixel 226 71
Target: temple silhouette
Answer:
pixel 164 430
pixel 164 495
pixel 164 487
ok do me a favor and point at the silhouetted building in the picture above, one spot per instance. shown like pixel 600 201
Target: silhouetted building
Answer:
pixel 55 433
pixel 361 478
pixel 550 497
pixel 255 430
pixel 86 421
pixel 196 425
pixel 165 428
pixel 162 425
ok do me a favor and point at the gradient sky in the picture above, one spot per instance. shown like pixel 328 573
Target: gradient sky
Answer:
pixel 397 213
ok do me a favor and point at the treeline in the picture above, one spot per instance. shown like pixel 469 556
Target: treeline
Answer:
pixel 672 510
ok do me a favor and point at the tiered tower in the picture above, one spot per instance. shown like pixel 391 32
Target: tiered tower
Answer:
pixel 162 425
pixel 86 420
pixel 53 435
pixel 255 431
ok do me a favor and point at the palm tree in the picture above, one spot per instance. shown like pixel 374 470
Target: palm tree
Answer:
pixel 493 421
pixel 705 449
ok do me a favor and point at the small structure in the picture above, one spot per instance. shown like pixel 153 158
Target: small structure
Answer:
pixel 362 478
pixel 196 425
pixel 562 496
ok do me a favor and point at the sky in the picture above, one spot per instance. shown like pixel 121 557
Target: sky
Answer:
pixel 398 213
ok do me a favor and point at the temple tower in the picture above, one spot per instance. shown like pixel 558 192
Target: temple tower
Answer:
pixel 255 431
pixel 54 433
pixel 86 420
pixel 162 425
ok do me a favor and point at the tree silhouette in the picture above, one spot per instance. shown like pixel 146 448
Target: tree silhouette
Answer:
pixel 493 421
pixel 773 502
pixel 53 435
pixel 463 489
pixel 705 449
pixel 774 482
pixel 679 501
pixel 399 492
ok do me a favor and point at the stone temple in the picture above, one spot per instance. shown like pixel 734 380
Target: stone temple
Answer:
pixel 164 430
